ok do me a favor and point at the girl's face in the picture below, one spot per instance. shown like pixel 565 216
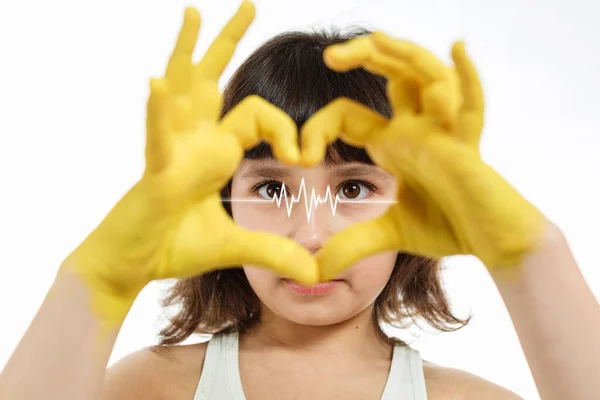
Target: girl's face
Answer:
pixel 364 192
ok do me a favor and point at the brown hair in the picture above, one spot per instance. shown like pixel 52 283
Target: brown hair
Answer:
pixel 289 72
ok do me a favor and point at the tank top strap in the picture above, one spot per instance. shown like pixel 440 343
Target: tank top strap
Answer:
pixel 406 379
pixel 220 378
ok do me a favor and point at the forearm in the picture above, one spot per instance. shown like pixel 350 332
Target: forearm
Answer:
pixel 557 320
pixel 63 354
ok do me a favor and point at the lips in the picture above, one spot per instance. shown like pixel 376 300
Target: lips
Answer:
pixel 318 289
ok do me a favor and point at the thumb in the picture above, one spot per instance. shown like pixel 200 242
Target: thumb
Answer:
pixel 355 243
pixel 284 256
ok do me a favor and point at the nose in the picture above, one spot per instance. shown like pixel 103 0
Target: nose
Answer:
pixel 312 225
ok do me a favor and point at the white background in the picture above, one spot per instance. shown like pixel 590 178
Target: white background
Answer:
pixel 73 86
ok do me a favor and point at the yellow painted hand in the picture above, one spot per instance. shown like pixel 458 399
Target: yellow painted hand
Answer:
pixel 449 201
pixel 172 223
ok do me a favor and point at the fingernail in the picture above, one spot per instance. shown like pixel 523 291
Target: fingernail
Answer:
pixel 306 161
pixel 294 155
pixel 336 51
pixel 190 12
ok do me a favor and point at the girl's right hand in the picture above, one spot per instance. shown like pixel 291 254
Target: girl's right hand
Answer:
pixel 171 223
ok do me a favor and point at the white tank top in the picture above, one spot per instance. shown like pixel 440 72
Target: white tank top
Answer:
pixel 221 380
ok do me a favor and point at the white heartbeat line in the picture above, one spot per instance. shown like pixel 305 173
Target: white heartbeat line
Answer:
pixel 315 200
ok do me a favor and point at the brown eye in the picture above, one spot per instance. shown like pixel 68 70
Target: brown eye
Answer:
pixel 274 189
pixel 353 190
pixel 271 190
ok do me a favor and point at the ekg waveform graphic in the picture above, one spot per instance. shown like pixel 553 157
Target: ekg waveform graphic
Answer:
pixel 310 202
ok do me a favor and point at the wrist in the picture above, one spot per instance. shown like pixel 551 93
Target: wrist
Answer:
pixel 108 302
pixel 550 240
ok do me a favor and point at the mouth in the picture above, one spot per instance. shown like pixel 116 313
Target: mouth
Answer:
pixel 314 290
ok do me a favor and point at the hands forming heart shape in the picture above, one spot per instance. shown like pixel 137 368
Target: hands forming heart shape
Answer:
pixel 172 222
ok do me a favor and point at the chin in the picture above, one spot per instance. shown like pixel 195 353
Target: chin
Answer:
pixel 309 315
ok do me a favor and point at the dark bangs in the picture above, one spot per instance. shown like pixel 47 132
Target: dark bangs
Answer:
pixel 289 72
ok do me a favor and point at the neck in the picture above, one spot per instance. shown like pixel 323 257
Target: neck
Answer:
pixel 360 335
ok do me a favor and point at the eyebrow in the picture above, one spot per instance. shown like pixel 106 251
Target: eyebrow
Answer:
pixel 261 171
pixel 340 171
pixel 354 170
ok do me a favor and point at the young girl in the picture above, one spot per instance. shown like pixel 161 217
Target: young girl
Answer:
pixel 296 294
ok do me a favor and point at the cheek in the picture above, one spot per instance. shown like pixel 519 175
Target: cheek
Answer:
pixel 262 280
pixel 260 217
pixel 371 274
pixel 348 214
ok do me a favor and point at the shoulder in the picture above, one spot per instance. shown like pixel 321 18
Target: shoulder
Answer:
pixel 155 373
pixel 450 383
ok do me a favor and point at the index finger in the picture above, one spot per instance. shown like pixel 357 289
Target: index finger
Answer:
pixel 353 122
pixel 429 67
pixel 221 50
pixel 361 52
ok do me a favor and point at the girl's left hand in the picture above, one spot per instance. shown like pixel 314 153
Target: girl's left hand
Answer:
pixel 449 201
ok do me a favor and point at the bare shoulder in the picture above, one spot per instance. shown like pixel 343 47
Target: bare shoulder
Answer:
pixel 156 373
pixel 450 383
